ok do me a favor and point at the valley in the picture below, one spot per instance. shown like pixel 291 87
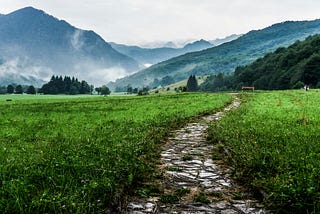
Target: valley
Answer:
pixel 92 125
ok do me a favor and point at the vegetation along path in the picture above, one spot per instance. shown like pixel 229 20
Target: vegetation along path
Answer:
pixel 192 180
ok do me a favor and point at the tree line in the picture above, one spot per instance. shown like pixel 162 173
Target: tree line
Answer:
pixel 66 85
pixel 57 85
pixel 17 89
pixel 286 68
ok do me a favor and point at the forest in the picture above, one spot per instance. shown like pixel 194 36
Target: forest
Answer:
pixel 286 68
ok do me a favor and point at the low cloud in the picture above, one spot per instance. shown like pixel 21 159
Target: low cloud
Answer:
pixel 21 71
pixel 76 39
pixel 104 75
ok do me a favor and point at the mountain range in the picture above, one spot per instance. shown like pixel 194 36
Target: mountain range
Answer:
pixel 149 56
pixel 226 57
pixel 34 46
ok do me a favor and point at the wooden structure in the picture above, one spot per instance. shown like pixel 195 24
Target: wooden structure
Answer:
pixel 248 88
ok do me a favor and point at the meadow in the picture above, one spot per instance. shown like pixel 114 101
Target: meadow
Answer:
pixel 273 144
pixel 85 154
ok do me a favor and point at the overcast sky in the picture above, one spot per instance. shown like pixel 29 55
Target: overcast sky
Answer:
pixel 138 21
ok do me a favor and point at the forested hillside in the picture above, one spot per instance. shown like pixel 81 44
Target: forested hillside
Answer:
pixel 226 57
pixel 156 55
pixel 286 68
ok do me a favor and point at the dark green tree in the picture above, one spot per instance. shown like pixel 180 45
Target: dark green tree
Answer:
pixel 98 90
pixel 31 90
pixel 105 90
pixel 66 85
pixel 311 74
pixel 129 89
pixel 192 84
pixel 10 89
pixel 19 89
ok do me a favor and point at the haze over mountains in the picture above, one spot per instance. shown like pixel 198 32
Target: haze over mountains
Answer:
pixel 149 56
pixel 226 57
pixel 35 45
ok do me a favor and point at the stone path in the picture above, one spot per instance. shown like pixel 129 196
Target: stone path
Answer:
pixel 193 181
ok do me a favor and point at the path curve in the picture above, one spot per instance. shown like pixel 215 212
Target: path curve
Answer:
pixel 202 185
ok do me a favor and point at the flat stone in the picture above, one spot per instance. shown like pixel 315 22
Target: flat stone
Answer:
pixel 207 175
pixel 135 206
pixel 209 163
pixel 149 207
pixel 195 162
pixel 224 183
pixel 229 211
pixel 186 175
pixel 219 205
pixel 206 183
pixel 244 208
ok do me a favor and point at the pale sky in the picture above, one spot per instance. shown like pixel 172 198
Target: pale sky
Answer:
pixel 139 21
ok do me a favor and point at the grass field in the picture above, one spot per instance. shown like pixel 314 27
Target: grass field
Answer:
pixel 85 154
pixel 274 145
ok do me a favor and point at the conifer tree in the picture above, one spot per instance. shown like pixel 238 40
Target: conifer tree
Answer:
pixel 192 84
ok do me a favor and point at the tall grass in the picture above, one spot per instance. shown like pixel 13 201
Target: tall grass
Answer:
pixel 85 155
pixel 274 144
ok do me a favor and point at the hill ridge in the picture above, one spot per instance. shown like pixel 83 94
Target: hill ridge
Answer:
pixel 226 57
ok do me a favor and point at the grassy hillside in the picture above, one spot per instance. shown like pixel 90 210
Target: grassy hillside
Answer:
pixel 85 155
pixel 273 143
pixel 226 57
pixel 172 87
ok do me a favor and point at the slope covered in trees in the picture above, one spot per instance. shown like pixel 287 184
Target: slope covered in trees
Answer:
pixel 286 68
pixel 156 55
pixel 226 57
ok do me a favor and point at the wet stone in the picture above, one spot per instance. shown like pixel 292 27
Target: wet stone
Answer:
pixel 185 165
pixel 229 211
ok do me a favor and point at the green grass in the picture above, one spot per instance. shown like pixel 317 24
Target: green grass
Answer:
pixel 274 145
pixel 61 154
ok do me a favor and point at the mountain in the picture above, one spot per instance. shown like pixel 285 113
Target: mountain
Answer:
pixel 170 45
pixel 226 57
pixel 197 46
pixel 286 68
pixel 218 42
pixel 35 45
pixel 151 56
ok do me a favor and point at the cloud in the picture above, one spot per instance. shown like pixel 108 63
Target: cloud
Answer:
pixel 76 39
pixel 132 21
pixel 21 70
pixel 104 75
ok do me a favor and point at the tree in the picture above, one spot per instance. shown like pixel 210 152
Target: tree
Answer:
pixel 66 85
pixel 129 90
pixel 105 90
pixel 31 90
pixel 19 89
pixel 192 84
pixel 98 90
pixel 311 74
pixel 10 89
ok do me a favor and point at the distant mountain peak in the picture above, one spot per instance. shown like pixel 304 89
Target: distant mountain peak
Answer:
pixel 33 42
pixel 28 10
pixel 170 45
pixel 199 44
